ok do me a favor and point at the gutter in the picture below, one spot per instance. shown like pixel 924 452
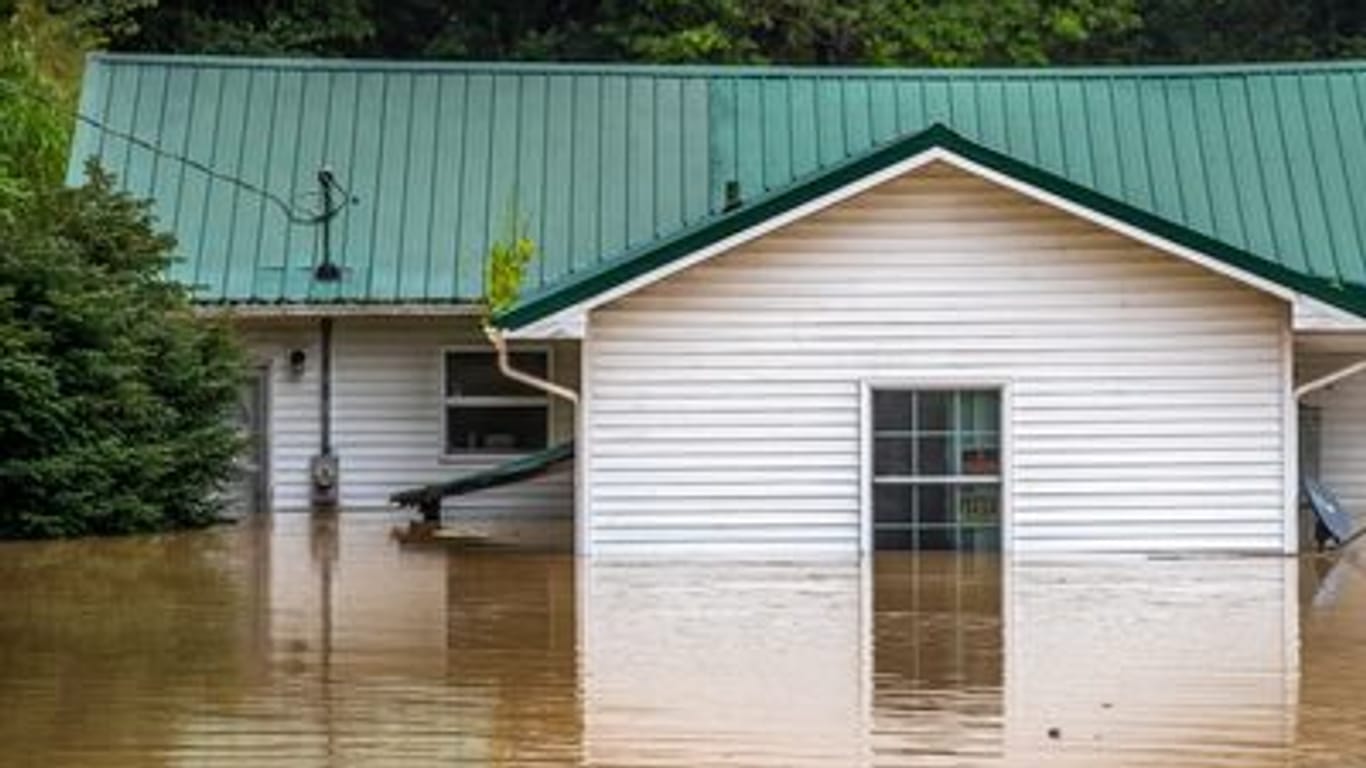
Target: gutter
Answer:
pixel 1327 381
pixel 499 342
pixel 244 310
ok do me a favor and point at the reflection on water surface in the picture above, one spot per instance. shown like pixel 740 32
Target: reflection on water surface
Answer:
pixel 300 642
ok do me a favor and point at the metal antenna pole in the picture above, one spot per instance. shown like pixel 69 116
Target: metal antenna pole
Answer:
pixel 326 271
pixel 325 468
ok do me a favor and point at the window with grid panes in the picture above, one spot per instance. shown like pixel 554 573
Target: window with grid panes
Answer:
pixel 936 469
pixel 486 412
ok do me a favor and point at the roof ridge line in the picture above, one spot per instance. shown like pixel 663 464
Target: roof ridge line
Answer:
pixel 1155 71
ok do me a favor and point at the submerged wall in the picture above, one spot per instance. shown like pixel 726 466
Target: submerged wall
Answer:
pixel 1145 662
pixel 1146 394
pixel 936 660
pixel 387 401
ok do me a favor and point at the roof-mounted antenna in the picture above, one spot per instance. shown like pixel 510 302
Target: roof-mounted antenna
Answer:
pixel 327 271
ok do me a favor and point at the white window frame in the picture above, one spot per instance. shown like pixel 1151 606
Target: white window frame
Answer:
pixel 490 402
pixel 1003 478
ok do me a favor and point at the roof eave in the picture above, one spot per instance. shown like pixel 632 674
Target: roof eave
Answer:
pixel 282 310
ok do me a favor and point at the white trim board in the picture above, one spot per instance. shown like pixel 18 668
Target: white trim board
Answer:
pixel 583 452
pixel 1290 442
pixel 1314 316
pixel 572 320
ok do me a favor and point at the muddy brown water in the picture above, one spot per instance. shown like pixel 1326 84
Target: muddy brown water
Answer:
pixel 294 642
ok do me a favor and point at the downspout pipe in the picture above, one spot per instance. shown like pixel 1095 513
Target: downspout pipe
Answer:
pixel 505 366
pixel 1324 382
pixel 325 387
pixel 324 468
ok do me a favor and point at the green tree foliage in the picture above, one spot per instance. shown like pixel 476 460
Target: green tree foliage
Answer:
pixel 875 32
pixel 1189 31
pixel 880 32
pixel 751 31
pixel 114 398
pixel 40 62
pixel 508 258
pixel 106 19
pixel 42 54
pixel 259 27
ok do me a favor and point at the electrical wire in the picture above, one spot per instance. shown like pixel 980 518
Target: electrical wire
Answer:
pixel 290 211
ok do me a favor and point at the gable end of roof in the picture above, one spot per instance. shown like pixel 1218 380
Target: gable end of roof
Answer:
pixel 613 274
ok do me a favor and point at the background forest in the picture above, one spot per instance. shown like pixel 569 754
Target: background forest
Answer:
pixel 873 32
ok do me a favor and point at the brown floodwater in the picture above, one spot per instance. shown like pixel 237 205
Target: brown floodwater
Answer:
pixel 297 642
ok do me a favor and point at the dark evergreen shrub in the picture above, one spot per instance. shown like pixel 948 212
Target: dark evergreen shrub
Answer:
pixel 115 398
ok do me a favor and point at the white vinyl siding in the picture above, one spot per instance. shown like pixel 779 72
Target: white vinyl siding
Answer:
pixel 387 414
pixel 1147 393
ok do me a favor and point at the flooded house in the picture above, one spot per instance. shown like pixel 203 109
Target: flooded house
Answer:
pixel 778 311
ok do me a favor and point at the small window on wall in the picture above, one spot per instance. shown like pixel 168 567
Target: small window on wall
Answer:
pixel 486 412
pixel 936 469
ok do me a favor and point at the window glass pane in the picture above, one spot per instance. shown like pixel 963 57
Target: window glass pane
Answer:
pixel 932 457
pixel 985 538
pixel 892 410
pixel 979 504
pixel 936 538
pixel 980 455
pixel 952 435
pixel 495 429
pixel 892 456
pixel 476 374
pixel 893 540
pixel 979 432
pixel 979 411
pixel 933 411
pixel 892 503
pixel 932 504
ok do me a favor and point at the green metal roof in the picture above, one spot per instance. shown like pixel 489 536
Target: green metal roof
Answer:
pixel 1265 164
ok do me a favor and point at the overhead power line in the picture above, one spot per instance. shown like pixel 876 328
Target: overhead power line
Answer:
pixel 290 212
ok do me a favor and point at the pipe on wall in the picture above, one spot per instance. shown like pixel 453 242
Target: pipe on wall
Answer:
pixel 324 469
pixel 505 366
pixel 325 387
pixel 1324 382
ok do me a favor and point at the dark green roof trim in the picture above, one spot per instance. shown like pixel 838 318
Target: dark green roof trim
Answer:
pixel 608 275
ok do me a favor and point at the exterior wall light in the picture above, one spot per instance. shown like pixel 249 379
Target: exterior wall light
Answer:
pixel 298 363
